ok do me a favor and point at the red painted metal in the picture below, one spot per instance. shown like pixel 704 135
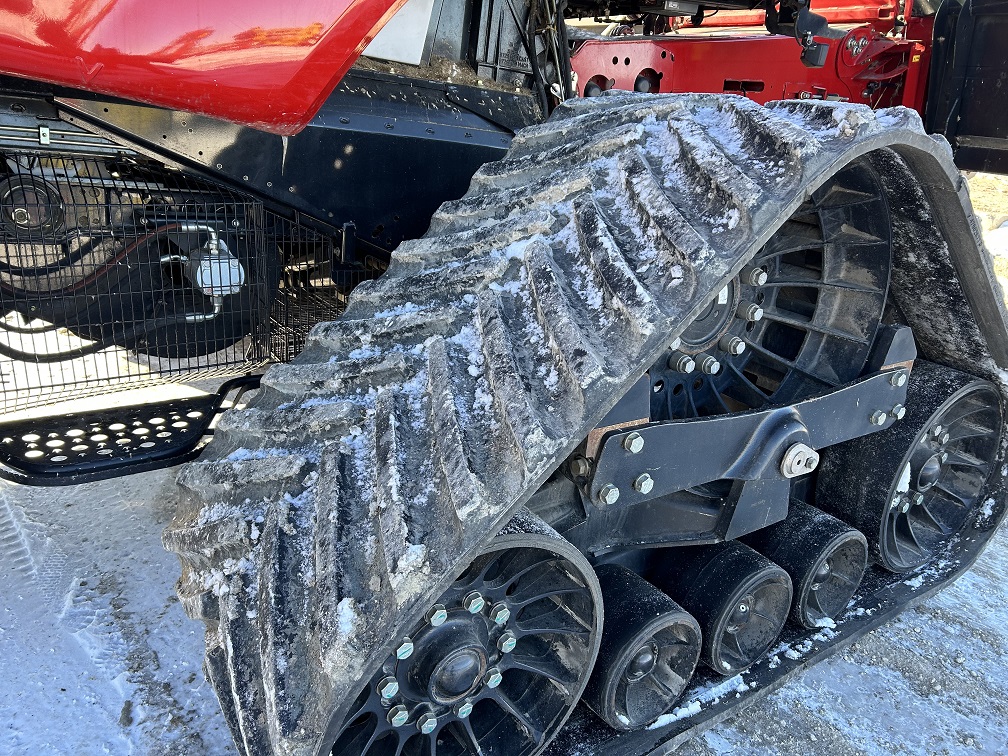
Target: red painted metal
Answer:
pixel 879 13
pixel 863 67
pixel 265 63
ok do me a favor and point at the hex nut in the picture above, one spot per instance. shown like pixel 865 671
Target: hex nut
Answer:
pixel 799 459
pixel 754 276
pixel 437 615
pixel 398 716
pixel 405 649
pixel 580 467
pixel 878 417
pixel 709 364
pixel 473 603
pixel 608 494
pixel 493 677
pixel 388 687
pixel 733 345
pixel 634 443
pixel 426 723
pixel 681 363
pixel 507 642
pixel 500 614
pixel 463 710
pixel 750 312
pixel 644 483
pixel 898 379
pixel 898 411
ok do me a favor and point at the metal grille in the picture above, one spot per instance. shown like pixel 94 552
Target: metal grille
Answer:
pixel 118 273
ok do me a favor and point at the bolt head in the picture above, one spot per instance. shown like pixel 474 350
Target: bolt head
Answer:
pixel 608 494
pixel 500 614
pixel 733 345
pixel 644 483
pixel 463 710
pixel 473 603
pixel 426 723
pixel 398 716
pixel 437 615
pixel 493 677
pixel 709 365
pixel 944 438
pixel 944 457
pixel 507 642
pixel 898 379
pixel 580 467
pixel 898 411
pixel 388 687
pixel 916 498
pixel 681 363
pixel 879 417
pixel 405 649
pixel 750 311
pixel 675 344
pixel 634 443
pixel 755 277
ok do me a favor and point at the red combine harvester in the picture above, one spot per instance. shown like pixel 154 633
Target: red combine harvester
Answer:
pixel 579 401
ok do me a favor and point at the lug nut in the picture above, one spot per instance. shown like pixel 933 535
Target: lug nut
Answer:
pixel 681 363
pixel 388 687
pixel 753 276
pixel 708 364
pixel 898 411
pixel 473 603
pixel 507 642
pixel 500 614
pixel 749 311
pixel 608 494
pixel 426 723
pixel 493 677
pixel 463 710
pixel 437 615
pixel 634 443
pixel 405 650
pixel 898 379
pixel 580 467
pixel 879 417
pixel 732 344
pixel 644 483
pixel 398 716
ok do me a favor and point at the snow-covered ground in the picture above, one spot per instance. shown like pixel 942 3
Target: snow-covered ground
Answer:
pixel 96 655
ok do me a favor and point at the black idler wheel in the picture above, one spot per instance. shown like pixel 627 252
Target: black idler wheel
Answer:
pixel 497 664
pixel 650 649
pixel 739 597
pixel 825 557
pixel 911 487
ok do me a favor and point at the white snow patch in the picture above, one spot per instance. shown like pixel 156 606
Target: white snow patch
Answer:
pixel 346 617
pixel 915 582
pixel 407 308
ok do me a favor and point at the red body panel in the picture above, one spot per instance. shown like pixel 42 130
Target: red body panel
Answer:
pixel 266 63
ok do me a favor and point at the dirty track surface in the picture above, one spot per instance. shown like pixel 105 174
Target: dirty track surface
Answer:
pixel 98 657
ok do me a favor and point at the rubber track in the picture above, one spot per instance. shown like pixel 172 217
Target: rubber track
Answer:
pixel 324 518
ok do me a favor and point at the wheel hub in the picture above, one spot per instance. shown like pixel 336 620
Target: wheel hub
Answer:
pixel 458 674
pixel 713 323
pixel 643 662
pixel 929 473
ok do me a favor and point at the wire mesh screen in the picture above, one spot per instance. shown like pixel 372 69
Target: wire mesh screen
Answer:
pixel 118 273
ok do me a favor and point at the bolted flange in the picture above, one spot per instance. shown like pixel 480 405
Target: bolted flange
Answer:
pixel 634 443
pixel 644 483
pixel 426 723
pixel 405 649
pixel 500 614
pixel 878 417
pixel 753 276
pixel 398 716
pixel 799 459
pixel 681 363
pixel 749 312
pixel 732 344
pixel 493 677
pixel 507 642
pixel 608 494
pixel 437 615
pixel 473 603
pixel 463 710
pixel 709 364
pixel 387 688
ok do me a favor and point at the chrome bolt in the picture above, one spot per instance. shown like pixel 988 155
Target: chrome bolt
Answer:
pixel 681 363
pixel 750 311
pixel 898 379
pixel 507 642
pixel 898 411
pixel 634 443
pixel 879 417
pixel 463 710
pixel 405 650
pixel 753 276
pixel 473 603
pixel 388 687
pixel 608 494
pixel 732 344
pixel 426 723
pixel 644 483
pixel 799 459
pixel 437 615
pixel 493 677
pixel 709 365
pixel 398 716
pixel 500 614
pixel 580 467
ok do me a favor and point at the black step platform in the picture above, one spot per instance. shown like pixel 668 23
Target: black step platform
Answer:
pixel 81 447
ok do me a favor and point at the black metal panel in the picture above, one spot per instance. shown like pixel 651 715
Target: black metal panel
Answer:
pixel 383 152
pixel 968 92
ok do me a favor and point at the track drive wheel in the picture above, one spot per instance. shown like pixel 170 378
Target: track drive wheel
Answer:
pixel 495 666
pixel 650 649
pixel 911 487
pixel 740 598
